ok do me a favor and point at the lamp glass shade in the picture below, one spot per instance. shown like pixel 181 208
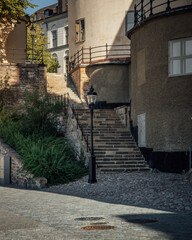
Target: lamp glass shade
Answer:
pixel 91 96
pixel 92 99
pixel 32 30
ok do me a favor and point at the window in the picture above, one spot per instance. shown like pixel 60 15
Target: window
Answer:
pixel 180 57
pixel 80 30
pixel 54 38
pixel 48 12
pixel 56 59
pixel 35 17
pixel 67 64
pixel 129 20
pixel 66 35
pixel 66 61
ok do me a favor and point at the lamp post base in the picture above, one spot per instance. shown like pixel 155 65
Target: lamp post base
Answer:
pixel 92 170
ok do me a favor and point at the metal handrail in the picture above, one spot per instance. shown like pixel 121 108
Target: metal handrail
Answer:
pixel 145 8
pixel 92 53
pixel 21 55
pixel 84 137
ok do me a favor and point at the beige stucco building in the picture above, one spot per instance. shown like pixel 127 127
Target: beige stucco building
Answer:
pixel 161 84
pixel 13 41
pixel 155 80
pixel 99 49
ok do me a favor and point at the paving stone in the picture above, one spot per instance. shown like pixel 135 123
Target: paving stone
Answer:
pixel 53 213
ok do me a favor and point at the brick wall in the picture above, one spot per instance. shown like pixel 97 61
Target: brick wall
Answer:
pixel 23 77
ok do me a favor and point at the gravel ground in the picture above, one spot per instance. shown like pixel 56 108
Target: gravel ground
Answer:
pixel 164 191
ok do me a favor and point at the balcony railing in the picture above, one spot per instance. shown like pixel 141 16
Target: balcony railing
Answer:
pixel 20 55
pixel 148 8
pixel 100 53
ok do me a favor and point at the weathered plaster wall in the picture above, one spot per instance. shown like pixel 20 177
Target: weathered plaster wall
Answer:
pixel 111 81
pixel 13 38
pixel 104 22
pixel 167 101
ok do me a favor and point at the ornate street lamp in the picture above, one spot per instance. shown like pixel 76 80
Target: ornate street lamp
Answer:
pixel 32 30
pixel 92 97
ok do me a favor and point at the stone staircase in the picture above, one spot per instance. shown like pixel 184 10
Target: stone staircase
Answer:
pixel 115 149
pixel 70 89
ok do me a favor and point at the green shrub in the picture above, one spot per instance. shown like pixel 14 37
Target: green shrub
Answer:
pixel 40 115
pixel 34 135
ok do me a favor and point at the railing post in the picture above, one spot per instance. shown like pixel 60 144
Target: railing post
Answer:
pixel 90 54
pixel 78 57
pixel 168 6
pixel 82 55
pixel 141 10
pixel 106 51
pixel 151 8
pixel 136 15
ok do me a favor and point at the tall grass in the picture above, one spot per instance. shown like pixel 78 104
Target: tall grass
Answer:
pixel 34 135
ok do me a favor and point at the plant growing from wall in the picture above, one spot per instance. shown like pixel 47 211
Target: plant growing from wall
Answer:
pixel 40 47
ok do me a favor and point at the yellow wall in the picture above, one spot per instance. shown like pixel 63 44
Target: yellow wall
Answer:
pixel 14 40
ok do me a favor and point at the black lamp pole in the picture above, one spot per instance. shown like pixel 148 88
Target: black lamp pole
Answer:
pixel 32 29
pixel 32 46
pixel 91 95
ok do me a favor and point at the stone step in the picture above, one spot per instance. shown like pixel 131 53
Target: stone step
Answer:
pixel 115 159
pixel 119 166
pixel 117 170
pixel 119 162
pixel 114 147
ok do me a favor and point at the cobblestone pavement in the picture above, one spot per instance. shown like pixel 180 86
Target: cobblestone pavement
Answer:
pixel 43 215
pixel 165 191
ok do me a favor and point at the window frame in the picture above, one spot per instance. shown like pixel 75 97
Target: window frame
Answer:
pixel 79 32
pixel 54 39
pixel 182 57
pixel 126 20
pixel 66 39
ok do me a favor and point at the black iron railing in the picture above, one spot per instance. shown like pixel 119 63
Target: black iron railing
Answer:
pixel 99 53
pixel 21 55
pixel 147 8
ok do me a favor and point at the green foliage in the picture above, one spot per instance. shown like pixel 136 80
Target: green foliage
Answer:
pixel 13 9
pixel 40 47
pixel 44 154
pixel 41 116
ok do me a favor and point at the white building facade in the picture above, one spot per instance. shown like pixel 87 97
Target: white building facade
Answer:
pixel 55 27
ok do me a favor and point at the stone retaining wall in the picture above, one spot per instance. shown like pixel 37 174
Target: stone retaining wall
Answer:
pixel 74 134
pixel 23 78
pixel 11 170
